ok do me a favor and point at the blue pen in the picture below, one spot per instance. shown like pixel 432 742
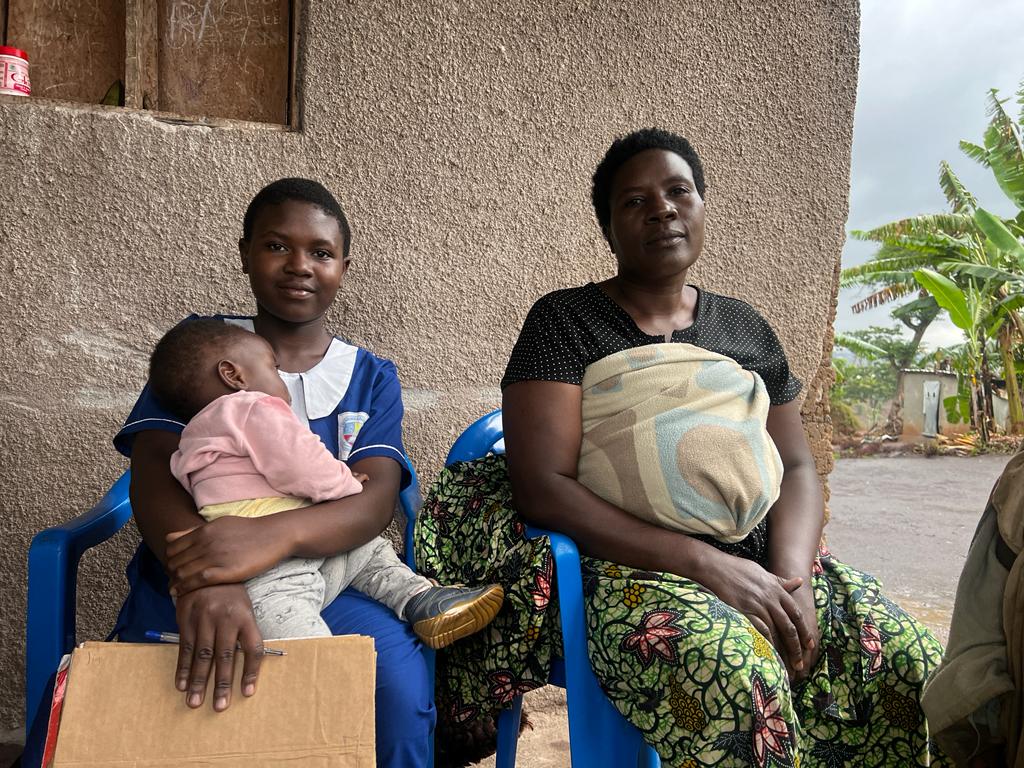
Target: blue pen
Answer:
pixel 170 637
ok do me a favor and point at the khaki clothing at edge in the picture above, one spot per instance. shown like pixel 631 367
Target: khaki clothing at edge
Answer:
pixel 976 697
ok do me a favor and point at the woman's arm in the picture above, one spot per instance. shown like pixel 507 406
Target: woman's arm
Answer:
pixel 795 521
pixel 543 432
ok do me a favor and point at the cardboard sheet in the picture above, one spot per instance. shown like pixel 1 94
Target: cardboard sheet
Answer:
pixel 313 707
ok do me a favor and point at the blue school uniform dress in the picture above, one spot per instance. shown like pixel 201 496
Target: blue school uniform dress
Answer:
pixel 352 401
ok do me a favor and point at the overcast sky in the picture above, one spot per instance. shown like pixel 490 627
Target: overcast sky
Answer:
pixel 925 70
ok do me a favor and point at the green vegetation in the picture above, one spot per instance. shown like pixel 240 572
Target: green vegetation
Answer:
pixel 869 383
pixel 967 262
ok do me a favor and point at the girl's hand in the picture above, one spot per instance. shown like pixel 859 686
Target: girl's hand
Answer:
pixel 211 622
pixel 766 600
pixel 228 550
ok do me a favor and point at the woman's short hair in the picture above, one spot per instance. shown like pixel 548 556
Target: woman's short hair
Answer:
pixel 305 191
pixel 187 352
pixel 624 148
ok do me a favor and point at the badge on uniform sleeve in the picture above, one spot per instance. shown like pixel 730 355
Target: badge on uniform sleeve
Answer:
pixel 349 424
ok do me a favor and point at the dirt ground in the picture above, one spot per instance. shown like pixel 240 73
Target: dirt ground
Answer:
pixel 908 520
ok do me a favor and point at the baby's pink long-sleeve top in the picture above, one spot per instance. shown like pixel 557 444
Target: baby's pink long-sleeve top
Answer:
pixel 249 445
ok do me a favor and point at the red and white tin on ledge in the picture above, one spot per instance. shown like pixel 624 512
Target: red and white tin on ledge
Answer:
pixel 14 72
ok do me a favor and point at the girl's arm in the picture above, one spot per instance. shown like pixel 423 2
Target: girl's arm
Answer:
pixel 284 451
pixel 543 432
pixel 160 504
pixel 344 524
pixel 213 609
pixel 233 549
pixel 211 621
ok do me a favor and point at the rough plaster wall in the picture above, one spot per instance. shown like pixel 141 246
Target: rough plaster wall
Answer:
pixel 460 137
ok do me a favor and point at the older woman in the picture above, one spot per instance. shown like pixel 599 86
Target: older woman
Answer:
pixel 765 651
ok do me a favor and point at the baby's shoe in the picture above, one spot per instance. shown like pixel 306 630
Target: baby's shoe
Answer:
pixel 442 615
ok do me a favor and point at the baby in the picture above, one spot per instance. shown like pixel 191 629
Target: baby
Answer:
pixel 244 453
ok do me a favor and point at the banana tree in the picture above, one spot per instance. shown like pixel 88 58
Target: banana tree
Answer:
pixel 983 298
pixel 1002 151
pixel 965 306
pixel 979 255
pixel 858 346
pixel 1004 321
pixel 908 245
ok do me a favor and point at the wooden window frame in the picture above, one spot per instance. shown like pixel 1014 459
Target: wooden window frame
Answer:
pixel 141 70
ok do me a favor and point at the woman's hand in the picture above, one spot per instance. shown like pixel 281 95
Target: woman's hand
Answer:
pixel 228 550
pixel 213 623
pixel 804 597
pixel 773 605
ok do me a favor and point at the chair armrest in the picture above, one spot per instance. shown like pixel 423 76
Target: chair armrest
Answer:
pixel 569 579
pixel 409 501
pixel 52 579
pixel 92 527
pixel 588 704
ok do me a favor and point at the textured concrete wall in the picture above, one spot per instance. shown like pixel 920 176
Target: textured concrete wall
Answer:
pixel 460 137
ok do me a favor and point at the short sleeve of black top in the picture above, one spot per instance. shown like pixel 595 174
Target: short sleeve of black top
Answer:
pixel 567 330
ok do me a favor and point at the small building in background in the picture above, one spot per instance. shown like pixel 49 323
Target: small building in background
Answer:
pixel 924 414
pixel 923 411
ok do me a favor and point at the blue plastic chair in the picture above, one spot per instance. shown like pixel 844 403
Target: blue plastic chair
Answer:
pixel 52 580
pixel 599 736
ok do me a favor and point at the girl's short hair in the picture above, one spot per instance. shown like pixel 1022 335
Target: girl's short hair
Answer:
pixel 305 191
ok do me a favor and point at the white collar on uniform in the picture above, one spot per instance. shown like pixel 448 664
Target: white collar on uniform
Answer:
pixel 325 384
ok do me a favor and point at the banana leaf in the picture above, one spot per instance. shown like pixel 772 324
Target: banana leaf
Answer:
pixel 997 232
pixel 959 197
pixel 1005 152
pixel 981 272
pixel 976 153
pixel 928 227
pixel 949 296
pixel 958 409
pixel 859 347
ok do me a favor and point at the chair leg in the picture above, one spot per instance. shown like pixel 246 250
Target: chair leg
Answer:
pixel 508 734
pixel 430 658
pixel 648 758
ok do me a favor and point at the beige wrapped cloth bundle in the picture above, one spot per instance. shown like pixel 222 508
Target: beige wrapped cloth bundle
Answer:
pixel 676 435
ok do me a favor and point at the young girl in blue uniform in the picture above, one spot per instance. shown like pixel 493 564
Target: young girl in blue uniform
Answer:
pixel 295 250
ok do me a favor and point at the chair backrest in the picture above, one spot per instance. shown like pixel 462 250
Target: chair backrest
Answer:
pixel 483 436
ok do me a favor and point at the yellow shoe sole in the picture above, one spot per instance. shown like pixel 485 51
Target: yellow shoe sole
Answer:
pixel 461 621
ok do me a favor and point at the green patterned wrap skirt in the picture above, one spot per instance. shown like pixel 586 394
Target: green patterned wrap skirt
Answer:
pixel 704 687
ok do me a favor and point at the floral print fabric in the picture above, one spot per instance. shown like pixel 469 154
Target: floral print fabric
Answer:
pixel 689 671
